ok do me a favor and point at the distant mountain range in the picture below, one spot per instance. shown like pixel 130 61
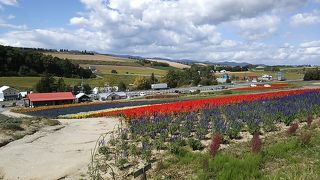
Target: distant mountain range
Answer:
pixel 188 61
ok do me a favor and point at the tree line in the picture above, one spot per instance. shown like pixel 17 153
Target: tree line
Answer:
pixel 195 75
pixel 312 75
pixel 50 84
pixel 27 62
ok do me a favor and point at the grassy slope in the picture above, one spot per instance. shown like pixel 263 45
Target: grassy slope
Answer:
pixel 27 83
pixel 88 57
pixel 106 69
pixel 282 157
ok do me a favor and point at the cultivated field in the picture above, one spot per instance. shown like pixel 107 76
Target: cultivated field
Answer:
pixel 130 70
pixel 173 64
pixel 88 57
pixel 28 83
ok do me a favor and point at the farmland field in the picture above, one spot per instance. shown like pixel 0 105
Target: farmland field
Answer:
pixel 122 70
pixel 173 64
pixel 27 83
pixel 173 134
pixel 88 57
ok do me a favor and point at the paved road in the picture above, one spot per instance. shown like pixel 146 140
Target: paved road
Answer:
pixel 54 153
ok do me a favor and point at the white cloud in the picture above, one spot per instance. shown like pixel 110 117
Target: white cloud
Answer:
pixel 178 29
pixel 258 27
pixel 11 26
pixel 8 3
pixel 302 19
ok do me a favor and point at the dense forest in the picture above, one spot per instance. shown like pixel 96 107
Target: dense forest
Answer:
pixel 28 62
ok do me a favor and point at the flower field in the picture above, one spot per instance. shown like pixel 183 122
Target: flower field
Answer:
pixel 188 125
pixel 195 105
pixel 60 110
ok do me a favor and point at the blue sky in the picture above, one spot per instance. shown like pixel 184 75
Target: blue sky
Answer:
pixel 269 31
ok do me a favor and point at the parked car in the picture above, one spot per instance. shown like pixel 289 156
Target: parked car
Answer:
pixel 142 94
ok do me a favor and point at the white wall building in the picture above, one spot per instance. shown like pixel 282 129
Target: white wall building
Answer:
pixel 7 93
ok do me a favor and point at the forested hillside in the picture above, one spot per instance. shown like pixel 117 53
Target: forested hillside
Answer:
pixel 27 62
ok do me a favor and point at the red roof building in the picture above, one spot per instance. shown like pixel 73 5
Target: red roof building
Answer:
pixel 44 99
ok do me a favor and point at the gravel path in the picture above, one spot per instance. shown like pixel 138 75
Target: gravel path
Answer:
pixel 54 152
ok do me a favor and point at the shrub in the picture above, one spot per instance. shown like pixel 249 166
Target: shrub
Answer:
pixel 215 144
pixel 12 126
pixel 256 143
pixel 305 138
pixel 309 121
pixel 51 122
pixel 293 128
pixel 195 144
pixel 176 149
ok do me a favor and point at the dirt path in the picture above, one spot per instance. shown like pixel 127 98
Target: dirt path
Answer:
pixel 54 152
pixel 8 113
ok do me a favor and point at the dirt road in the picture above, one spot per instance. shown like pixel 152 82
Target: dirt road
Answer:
pixel 54 152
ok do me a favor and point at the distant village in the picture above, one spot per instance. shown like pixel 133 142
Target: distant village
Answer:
pixel 106 93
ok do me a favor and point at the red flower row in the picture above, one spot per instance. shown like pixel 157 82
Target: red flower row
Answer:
pixel 194 105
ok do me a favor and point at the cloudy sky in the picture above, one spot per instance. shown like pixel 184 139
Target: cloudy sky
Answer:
pixel 254 31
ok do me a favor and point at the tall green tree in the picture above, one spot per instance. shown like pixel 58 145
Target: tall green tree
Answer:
pixel 142 83
pixel 153 79
pixel 122 86
pixel 87 89
pixel 46 84
pixel 61 86
pixel 172 79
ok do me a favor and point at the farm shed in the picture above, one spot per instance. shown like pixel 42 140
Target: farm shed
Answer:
pixel 82 97
pixel 45 99
pixel 112 96
pixel 7 93
pixel 260 68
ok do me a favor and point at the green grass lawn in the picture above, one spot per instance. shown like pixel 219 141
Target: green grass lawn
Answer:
pixel 282 157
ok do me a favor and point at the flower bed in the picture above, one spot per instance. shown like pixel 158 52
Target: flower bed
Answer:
pixel 195 105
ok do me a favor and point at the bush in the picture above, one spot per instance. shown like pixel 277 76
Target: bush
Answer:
pixel 195 144
pixel 305 138
pixel 176 149
pixel 215 144
pixel 51 122
pixel 12 126
pixel 256 143
pixel 309 121
pixel 293 128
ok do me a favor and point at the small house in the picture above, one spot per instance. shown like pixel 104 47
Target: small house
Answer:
pixel 93 69
pixel 8 94
pixel 46 99
pixel 95 90
pixel 82 97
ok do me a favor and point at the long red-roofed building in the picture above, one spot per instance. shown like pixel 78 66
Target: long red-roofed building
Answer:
pixel 45 99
